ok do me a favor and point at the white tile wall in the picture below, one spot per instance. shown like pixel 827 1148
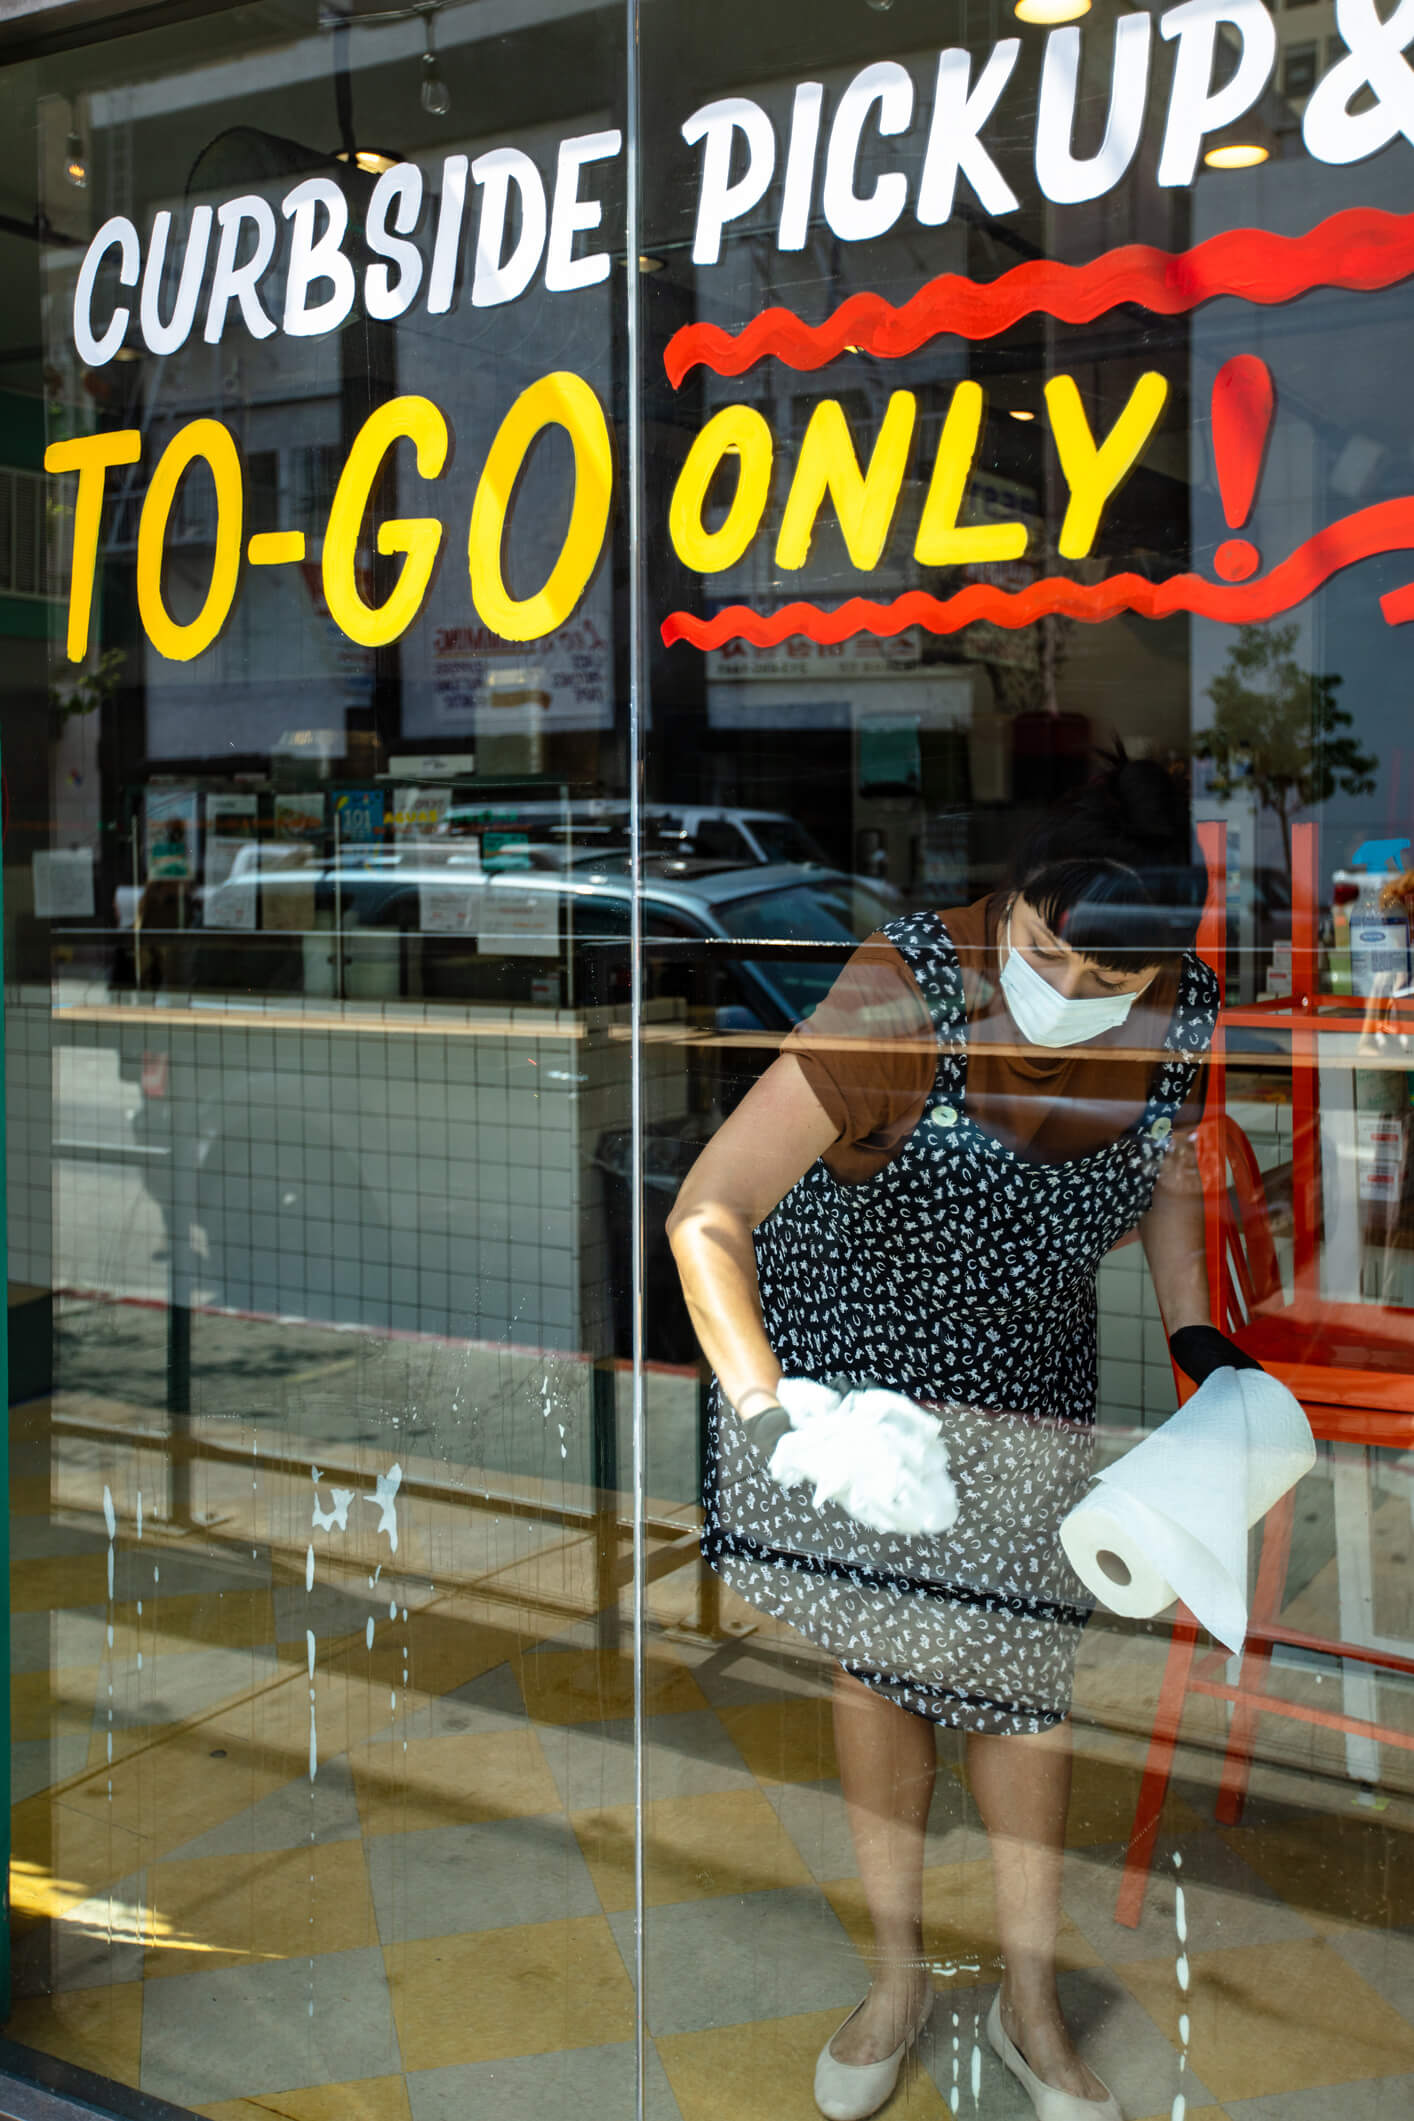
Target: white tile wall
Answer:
pixel 384 1173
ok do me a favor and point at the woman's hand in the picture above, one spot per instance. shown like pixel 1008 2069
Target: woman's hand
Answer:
pixel 1199 1350
pixel 775 1134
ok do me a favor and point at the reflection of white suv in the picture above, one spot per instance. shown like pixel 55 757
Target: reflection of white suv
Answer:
pixel 710 832
pixel 746 836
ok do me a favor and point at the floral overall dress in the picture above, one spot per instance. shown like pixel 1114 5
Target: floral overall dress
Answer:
pixel 963 1275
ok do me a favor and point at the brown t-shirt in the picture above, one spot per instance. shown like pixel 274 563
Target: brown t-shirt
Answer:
pixel 870 1054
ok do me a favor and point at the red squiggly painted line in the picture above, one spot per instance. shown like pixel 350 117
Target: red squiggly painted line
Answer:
pixel 1387 527
pixel 1361 249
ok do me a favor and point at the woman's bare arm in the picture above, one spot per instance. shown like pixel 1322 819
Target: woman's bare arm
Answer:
pixel 776 1133
pixel 1174 1241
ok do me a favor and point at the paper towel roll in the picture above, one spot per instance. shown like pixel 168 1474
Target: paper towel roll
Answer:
pixel 1171 1518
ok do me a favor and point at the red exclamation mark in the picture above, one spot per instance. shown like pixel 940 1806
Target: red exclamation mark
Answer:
pixel 1243 403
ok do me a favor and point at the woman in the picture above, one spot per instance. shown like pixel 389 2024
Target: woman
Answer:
pixel 918 1195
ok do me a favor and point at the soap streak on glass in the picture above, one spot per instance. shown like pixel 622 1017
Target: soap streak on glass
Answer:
pixel 1180 1922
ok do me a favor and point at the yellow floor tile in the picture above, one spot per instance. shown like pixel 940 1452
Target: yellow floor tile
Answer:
pixel 959 1922
pixel 209 1911
pixel 1336 1869
pixel 228 1620
pixel 43 1704
pixel 792 1740
pixel 446 1647
pixel 198 1777
pixel 31 1495
pixel 494 1993
pixel 698 1848
pixel 451 1781
pixel 61 1856
pixel 51 1581
pixel 98 2029
pixel 1103 1795
pixel 1268 2019
pixel 765 2071
pixel 370 2099
pixel 594 1686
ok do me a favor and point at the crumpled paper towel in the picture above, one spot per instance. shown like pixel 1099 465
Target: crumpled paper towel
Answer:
pixel 1170 1519
pixel 872 1451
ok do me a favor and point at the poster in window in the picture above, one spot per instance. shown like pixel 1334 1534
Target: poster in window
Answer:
pixel 230 825
pixel 171 817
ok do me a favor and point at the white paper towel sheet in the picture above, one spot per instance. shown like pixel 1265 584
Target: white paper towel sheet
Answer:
pixel 872 1451
pixel 1176 1510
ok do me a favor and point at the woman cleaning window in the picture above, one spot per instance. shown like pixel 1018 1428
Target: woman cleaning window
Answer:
pixel 889 1252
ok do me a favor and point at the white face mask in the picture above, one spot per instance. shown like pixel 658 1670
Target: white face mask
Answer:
pixel 1050 1019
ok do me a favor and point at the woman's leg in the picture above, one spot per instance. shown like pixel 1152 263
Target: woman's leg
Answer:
pixel 887 1763
pixel 1022 1788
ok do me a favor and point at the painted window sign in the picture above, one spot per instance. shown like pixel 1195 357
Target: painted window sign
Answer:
pixel 807 167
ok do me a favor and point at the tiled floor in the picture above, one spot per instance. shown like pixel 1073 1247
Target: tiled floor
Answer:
pixel 439 1924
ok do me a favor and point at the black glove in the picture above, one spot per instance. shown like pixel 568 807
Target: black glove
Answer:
pixel 1199 1350
pixel 764 1431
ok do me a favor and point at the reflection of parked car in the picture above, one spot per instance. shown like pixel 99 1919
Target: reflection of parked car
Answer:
pixel 458 932
pixel 735 835
pixel 472 1184
pixel 712 832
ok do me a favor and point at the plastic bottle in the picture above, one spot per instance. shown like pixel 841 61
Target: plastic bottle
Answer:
pixel 1379 938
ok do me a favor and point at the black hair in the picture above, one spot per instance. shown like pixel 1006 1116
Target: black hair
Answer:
pixel 1111 870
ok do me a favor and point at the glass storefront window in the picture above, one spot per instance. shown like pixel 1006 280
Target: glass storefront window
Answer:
pixel 708 986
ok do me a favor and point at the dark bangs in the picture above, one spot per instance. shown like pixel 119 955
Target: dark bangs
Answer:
pixel 1124 919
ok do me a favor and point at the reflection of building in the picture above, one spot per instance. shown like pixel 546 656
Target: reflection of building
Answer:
pixel 1308 45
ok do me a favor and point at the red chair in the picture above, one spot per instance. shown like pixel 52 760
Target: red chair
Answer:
pixel 1352 1367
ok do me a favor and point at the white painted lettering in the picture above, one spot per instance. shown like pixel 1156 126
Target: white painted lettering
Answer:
pixel 1060 175
pixel 497 279
pixel 571 216
pixel 1195 107
pixel 120 235
pixel 799 186
pixel 398 192
pixel 719 199
pixel 317 258
pixel 447 244
pixel 170 338
pixel 856 217
pixel 231 282
pixel 954 149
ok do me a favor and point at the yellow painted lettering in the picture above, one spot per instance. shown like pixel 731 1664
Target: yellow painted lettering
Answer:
pixel 942 541
pixel 739 431
pixel 1095 473
pixel 864 500
pixel 419 538
pixel 215 446
pixel 91 456
pixel 558 400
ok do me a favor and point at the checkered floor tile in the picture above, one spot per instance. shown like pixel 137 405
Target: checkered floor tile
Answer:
pixel 438 1919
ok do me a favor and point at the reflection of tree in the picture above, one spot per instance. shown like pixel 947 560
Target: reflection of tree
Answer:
pixel 1277 729
pixel 1025 663
pixel 92 689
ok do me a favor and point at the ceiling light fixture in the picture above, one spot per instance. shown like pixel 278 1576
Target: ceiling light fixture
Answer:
pixel 1047 13
pixel 435 95
pixel 75 161
pixel 1242 154
pixel 371 159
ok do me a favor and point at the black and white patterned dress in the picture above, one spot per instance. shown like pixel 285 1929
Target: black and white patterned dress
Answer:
pixel 964 1275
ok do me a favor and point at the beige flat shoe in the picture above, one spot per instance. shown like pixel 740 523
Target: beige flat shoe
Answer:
pixel 848 2091
pixel 1050 2104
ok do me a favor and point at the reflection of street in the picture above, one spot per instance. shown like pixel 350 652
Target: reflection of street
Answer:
pixel 108 1231
pixel 463 1405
